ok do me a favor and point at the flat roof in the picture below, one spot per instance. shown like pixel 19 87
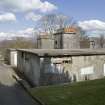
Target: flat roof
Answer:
pixel 11 49
pixel 64 52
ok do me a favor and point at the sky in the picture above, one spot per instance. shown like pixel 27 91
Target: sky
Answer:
pixel 20 17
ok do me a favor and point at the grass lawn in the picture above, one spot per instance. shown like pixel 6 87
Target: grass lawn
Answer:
pixel 82 93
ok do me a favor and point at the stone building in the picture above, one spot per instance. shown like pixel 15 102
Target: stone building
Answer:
pixel 55 66
pixel 94 42
pixel 97 42
pixel 11 57
pixel 67 38
pixel 45 42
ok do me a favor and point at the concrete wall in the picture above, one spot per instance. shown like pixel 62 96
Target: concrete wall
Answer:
pixel 71 41
pixel 46 42
pixel 85 67
pixel 67 40
pixel 95 42
pixel 52 73
pixel 29 65
pixel 11 57
pixel 58 41
pixel 69 69
pixel 84 44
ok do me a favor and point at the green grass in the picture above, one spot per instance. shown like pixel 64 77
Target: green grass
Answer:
pixel 82 93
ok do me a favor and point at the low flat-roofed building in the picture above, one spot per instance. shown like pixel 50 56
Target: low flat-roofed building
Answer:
pixel 54 66
pixel 11 57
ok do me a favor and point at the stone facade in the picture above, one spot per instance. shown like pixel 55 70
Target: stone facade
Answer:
pixel 67 38
pixel 97 42
pixel 94 42
pixel 70 41
pixel 80 68
pixel 86 68
pixel 11 57
pixel 52 73
pixel 29 65
pixel 84 42
pixel 58 38
pixel 45 42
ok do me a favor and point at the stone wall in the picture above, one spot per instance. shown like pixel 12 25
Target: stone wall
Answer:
pixel 58 44
pixel 52 73
pixel 67 40
pixel 82 67
pixel 11 57
pixel 45 42
pixel 84 44
pixel 78 68
pixel 29 65
pixel 71 41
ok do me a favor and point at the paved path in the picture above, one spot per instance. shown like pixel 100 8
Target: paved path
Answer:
pixel 10 91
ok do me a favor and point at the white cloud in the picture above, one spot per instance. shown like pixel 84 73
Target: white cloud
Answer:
pixel 7 17
pixel 92 25
pixel 32 16
pixel 26 5
pixel 46 7
pixel 29 32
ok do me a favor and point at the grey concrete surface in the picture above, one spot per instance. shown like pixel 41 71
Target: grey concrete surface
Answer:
pixel 11 92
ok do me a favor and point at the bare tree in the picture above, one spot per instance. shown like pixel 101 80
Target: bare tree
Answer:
pixel 52 22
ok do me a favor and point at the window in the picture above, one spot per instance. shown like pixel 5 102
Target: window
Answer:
pixel 56 42
pixel 22 54
pixel 67 61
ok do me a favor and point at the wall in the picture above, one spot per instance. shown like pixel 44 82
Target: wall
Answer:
pixel 82 64
pixel 29 65
pixel 52 73
pixel 71 41
pixel 67 40
pixel 72 69
pixel 11 57
pixel 84 44
pixel 58 41
pixel 45 43
pixel 94 42
pixel 7 57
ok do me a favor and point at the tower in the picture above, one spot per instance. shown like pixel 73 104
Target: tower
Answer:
pixel 45 42
pixel 67 38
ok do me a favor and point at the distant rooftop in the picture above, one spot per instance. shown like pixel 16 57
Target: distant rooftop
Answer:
pixel 70 29
pixel 67 30
pixel 45 37
pixel 64 52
